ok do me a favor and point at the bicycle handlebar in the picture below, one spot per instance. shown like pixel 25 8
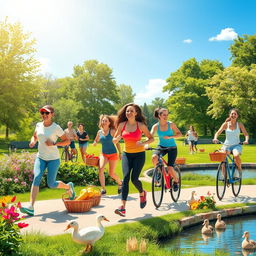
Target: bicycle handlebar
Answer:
pixel 220 142
pixel 163 149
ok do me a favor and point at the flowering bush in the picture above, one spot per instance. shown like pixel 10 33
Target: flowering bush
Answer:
pixel 10 225
pixel 205 202
pixel 16 173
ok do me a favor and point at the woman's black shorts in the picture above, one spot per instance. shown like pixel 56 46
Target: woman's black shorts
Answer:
pixel 172 154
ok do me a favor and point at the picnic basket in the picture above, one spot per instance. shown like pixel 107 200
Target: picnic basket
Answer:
pixel 96 200
pixel 218 156
pixel 201 149
pixel 180 160
pixel 77 206
pixel 92 160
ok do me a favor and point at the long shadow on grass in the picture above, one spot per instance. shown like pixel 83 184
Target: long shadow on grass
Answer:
pixel 239 199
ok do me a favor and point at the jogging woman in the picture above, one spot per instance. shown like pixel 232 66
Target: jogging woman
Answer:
pixel 109 152
pixel 46 133
pixel 83 139
pixel 166 132
pixel 131 125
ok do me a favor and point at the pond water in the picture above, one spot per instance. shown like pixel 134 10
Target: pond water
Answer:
pixel 228 241
pixel 247 173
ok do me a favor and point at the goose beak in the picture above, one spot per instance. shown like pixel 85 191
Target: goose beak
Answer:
pixel 106 219
pixel 68 227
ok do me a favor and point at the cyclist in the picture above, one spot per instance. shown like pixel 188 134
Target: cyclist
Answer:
pixel 131 124
pixel 71 135
pixel 166 132
pixel 109 151
pixel 191 139
pixel 232 129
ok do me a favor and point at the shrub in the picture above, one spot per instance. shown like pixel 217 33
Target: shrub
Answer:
pixel 81 174
pixel 10 237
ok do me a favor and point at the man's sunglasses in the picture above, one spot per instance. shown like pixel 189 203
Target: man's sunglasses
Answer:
pixel 44 113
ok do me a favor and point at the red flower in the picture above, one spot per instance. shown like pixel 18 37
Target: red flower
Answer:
pixel 13 199
pixel 202 198
pixel 22 225
pixel 19 205
pixel 3 204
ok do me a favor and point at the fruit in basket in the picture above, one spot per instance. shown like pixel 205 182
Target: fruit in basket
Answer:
pixel 83 195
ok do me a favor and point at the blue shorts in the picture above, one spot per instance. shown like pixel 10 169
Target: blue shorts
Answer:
pixel 84 145
pixel 72 144
pixel 232 148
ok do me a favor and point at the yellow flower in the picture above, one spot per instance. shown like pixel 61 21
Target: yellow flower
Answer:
pixel 6 200
pixel 205 207
pixel 194 206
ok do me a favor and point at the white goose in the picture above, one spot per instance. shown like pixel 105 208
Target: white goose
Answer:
pixel 220 224
pixel 248 244
pixel 87 236
pixel 207 229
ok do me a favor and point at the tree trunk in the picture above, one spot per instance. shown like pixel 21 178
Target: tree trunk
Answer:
pixel 7 132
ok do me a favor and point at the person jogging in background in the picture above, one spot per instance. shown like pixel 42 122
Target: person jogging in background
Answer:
pixel 46 133
pixel 191 139
pixel 109 152
pixel 83 139
pixel 71 135
pixel 131 124
pixel 166 132
pixel 232 129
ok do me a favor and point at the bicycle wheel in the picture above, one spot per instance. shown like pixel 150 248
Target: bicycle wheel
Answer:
pixel 175 188
pixel 157 186
pixel 236 185
pixel 74 157
pixel 221 180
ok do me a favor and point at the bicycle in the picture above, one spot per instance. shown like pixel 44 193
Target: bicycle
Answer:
pixel 162 181
pixel 68 155
pixel 226 176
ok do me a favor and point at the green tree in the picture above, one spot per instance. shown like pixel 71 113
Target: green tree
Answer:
pixel 234 87
pixel 17 74
pixel 188 102
pixel 125 94
pixel 243 51
pixel 97 92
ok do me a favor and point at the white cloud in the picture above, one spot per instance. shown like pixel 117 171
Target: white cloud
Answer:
pixel 187 41
pixel 45 65
pixel 152 90
pixel 226 34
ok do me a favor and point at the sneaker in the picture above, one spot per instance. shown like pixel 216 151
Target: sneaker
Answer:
pixel 28 211
pixel 103 192
pixel 119 189
pixel 175 186
pixel 71 185
pixel 143 200
pixel 120 211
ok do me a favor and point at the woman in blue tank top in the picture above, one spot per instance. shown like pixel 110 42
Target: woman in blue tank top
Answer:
pixel 166 132
pixel 232 130
pixel 109 151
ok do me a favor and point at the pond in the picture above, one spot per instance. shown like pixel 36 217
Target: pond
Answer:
pixel 247 173
pixel 228 241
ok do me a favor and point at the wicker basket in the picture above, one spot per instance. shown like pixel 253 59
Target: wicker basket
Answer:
pixel 180 160
pixel 92 161
pixel 201 149
pixel 96 200
pixel 218 156
pixel 77 206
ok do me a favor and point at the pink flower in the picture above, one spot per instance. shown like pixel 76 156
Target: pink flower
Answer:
pixel 22 225
pixel 16 180
pixel 208 193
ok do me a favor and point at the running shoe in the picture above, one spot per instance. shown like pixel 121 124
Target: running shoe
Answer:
pixel 103 192
pixel 28 211
pixel 120 211
pixel 119 189
pixel 143 200
pixel 175 186
pixel 71 185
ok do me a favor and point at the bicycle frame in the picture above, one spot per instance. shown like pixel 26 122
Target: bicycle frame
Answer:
pixel 230 171
pixel 167 176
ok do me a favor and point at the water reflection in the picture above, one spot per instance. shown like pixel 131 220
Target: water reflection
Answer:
pixel 228 240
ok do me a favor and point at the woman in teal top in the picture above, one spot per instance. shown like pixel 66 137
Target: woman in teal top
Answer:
pixel 166 132
pixel 109 151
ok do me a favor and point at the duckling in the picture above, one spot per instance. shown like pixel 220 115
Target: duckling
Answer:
pixel 220 224
pixel 207 229
pixel 87 236
pixel 248 244
pixel 192 199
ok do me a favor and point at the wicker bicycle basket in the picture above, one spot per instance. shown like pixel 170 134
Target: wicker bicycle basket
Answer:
pixel 92 161
pixel 96 200
pixel 218 156
pixel 77 206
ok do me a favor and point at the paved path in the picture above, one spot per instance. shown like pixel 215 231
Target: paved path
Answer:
pixel 51 217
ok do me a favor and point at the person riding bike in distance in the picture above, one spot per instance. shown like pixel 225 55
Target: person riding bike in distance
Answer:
pixel 166 132
pixel 232 142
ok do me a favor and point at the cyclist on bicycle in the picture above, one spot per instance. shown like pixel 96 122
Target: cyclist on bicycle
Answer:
pixel 232 142
pixel 166 132
pixel 71 135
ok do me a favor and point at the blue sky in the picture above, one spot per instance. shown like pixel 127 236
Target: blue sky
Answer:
pixel 142 41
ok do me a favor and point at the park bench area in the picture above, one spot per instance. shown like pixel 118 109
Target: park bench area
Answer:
pixel 14 145
pixel 200 141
